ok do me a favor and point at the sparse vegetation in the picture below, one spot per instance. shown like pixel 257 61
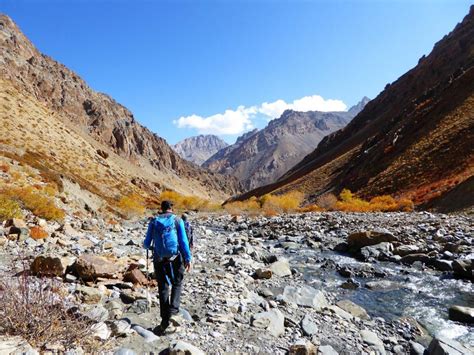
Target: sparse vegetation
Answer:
pixel 34 200
pixel 37 310
pixel 131 205
pixel 183 202
pixel 9 208
pixel 271 205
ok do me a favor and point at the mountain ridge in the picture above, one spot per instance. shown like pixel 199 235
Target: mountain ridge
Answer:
pixel 198 149
pixel 262 156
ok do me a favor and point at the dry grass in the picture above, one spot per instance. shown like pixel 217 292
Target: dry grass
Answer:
pixel 37 310
pixel 183 202
pixel 385 203
pixel 34 200
pixel 9 208
pixel 131 205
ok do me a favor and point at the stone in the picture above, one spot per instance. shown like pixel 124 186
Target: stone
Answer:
pixel 90 267
pixel 50 265
pixel 69 231
pixel 15 345
pixel 101 331
pixel 15 222
pixel 98 313
pixel 373 340
pixel 302 347
pixel 444 346
pixel 463 268
pixel 406 249
pixel 353 308
pixel 135 276
pixel 350 284
pixel 120 328
pixel 411 258
pixel 416 348
pixel 183 348
pixel 124 351
pixel 272 320
pixel 327 350
pixel 263 274
pixel 281 268
pixel 376 251
pixel 461 314
pixel 115 309
pixel 89 295
pixel 442 265
pixel 305 296
pixel 383 285
pixel 147 335
pixel 308 326
pixel 38 232
pixel 363 239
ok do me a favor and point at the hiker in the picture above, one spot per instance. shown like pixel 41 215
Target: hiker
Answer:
pixel 189 231
pixel 166 236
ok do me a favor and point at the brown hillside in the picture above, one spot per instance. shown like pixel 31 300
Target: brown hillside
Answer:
pixel 35 85
pixel 414 139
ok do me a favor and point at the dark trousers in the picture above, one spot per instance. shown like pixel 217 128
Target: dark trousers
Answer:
pixel 167 280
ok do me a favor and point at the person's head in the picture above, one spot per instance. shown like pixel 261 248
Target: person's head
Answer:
pixel 184 217
pixel 166 206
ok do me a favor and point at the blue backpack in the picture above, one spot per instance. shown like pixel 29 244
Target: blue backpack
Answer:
pixel 165 236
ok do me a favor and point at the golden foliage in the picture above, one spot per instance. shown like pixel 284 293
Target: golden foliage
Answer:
pixel 385 203
pixel 285 203
pixel 131 205
pixel 35 201
pixel 183 202
pixel 9 208
pixel 327 201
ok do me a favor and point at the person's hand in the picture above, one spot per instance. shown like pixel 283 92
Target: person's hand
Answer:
pixel 187 267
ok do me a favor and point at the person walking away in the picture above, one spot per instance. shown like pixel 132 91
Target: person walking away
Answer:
pixel 189 231
pixel 166 236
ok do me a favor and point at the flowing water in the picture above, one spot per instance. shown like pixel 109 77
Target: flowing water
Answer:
pixel 422 294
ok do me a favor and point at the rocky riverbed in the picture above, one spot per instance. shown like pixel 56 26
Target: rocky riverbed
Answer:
pixel 322 283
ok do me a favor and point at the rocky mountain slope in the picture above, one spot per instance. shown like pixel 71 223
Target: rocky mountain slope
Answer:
pixel 261 157
pixel 50 116
pixel 414 139
pixel 199 148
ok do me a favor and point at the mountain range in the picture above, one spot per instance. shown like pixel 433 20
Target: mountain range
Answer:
pixel 415 139
pixel 198 149
pixel 52 120
pixel 262 156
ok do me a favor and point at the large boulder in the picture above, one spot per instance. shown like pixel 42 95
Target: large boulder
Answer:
pixel 412 258
pixel 273 321
pixel 50 265
pixel 463 268
pixel 90 267
pixel 353 308
pixel 462 314
pixel 135 276
pixel 305 296
pixel 444 346
pixel 359 240
pixel 280 268
pixel 15 345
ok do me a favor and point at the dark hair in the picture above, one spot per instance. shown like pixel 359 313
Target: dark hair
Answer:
pixel 184 217
pixel 166 205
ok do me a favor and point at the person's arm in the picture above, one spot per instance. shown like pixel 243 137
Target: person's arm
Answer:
pixel 183 243
pixel 149 236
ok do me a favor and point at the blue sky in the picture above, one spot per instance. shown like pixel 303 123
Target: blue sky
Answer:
pixel 215 63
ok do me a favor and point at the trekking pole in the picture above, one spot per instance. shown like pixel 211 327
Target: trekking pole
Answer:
pixel 148 297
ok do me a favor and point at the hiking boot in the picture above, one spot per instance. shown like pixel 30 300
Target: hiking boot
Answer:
pixel 161 329
pixel 177 320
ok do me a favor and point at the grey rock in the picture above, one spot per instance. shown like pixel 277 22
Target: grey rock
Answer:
pixel 443 346
pixel 327 350
pixel 305 296
pixel 308 326
pixel 124 351
pixel 272 320
pixel 183 348
pixel 353 308
pixel 416 348
pixel 281 268
pixel 146 334
pixel 461 314
pixel 373 340
pixel 383 285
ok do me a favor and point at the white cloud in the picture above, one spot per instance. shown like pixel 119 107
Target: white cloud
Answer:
pixel 307 103
pixel 230 122
pixel 233 122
